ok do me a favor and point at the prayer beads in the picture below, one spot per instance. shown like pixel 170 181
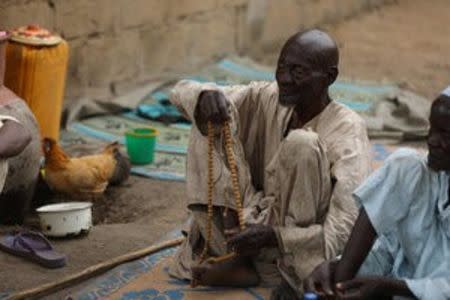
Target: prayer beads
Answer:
pixel 236 193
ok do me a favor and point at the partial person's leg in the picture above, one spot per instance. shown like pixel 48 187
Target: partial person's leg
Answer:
pixel 299 177
pixel 189 254
pixel 197 186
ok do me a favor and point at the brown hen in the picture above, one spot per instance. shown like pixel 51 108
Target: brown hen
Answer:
pixel 83 176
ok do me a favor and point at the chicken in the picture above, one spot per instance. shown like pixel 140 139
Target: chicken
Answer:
pixel 83 176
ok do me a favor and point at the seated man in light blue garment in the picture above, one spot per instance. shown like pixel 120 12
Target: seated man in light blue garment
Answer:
pixel 400 244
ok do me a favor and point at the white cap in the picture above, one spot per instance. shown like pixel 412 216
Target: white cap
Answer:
pixel 446 92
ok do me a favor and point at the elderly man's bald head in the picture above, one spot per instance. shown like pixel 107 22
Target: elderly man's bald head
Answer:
pixel 314 46
pixel 307 66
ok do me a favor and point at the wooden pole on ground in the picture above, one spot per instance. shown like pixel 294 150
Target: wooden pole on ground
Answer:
pixel 91 271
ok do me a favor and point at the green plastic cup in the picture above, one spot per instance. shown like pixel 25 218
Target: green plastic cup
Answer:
pixel 141 145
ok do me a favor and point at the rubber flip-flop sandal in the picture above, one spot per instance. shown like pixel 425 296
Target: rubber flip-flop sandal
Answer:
pixel 33 246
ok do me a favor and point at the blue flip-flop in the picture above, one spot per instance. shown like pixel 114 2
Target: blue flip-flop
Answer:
pixel 33 246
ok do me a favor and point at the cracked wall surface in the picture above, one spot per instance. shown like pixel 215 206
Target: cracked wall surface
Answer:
pixel 117 45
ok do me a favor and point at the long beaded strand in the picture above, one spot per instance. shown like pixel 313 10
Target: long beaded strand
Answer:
pixel 210 212
pixel 235 186
pixel 234 174
pixel 210 192
pixel 236 192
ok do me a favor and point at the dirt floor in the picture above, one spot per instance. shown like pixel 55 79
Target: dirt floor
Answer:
pixel 406 42
pixel 139 214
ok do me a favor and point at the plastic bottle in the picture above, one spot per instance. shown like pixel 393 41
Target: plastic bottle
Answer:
pixel 310 296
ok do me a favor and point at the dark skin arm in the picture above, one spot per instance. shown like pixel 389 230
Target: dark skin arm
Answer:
pixel 361 240
pixel 252 239
pixel 372 287
pixel 321 280
pixel 343 272
pixel 14 138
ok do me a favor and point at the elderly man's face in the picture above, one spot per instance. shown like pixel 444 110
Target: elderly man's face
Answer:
pixel 439 136
pixel 298 81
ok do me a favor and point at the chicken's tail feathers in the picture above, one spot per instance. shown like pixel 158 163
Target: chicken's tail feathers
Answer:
pixel 123 166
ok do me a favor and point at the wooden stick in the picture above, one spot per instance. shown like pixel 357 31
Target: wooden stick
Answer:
pixel 87 273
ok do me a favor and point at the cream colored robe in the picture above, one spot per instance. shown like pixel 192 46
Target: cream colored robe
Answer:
pixel 259 126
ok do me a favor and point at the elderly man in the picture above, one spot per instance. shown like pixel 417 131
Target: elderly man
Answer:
pixel 299 156
pixel 400 245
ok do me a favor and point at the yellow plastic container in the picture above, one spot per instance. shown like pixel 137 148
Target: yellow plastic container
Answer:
pixel 36 72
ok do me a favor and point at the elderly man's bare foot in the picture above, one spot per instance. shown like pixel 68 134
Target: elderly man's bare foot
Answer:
pixel 238 272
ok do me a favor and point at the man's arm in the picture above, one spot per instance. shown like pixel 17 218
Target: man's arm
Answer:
pixel 361 240
pixel 14 138
pixel 360 243
pixel 186 94
pixel 244 102
pixel 352 164
pixel 343 271
pixel 378 288
pixel 313 244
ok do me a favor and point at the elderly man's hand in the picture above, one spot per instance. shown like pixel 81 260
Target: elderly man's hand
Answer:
pixel 211 106
pixel 250 241
pixel 360 288
pixel 321 280
pixel 230 222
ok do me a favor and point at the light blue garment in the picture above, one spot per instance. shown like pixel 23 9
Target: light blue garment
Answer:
pixel 408 205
